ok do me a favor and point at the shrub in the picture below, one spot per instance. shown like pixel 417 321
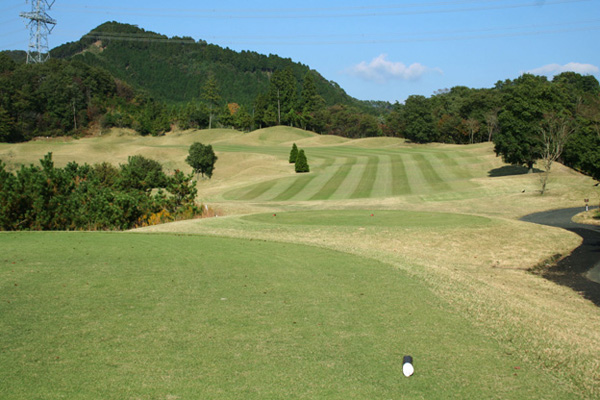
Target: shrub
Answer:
pixel 293 154
pixel 302 162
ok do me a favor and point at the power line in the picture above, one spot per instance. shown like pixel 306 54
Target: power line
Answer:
pixel 365 38
pixel 319 13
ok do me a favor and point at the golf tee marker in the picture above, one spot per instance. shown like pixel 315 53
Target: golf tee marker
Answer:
pixel 407 366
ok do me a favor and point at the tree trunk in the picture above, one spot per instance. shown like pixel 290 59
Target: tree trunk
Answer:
pixel 278 109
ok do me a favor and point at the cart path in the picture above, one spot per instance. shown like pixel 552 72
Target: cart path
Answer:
pixel 581 269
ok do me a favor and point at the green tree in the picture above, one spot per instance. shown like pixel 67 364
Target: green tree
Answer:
pixel 7 126
pixel 301 162
pixel 526 101
pixel 202 159
pixel 283 92
pixel 310 100
pixel 141 173
pixel 183 189
pixel 293 154
pixel 211 95
pixel 419 126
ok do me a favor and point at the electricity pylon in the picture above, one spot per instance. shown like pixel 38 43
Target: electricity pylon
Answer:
pixel 40 25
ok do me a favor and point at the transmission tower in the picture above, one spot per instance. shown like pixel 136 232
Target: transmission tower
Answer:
pixel 40 25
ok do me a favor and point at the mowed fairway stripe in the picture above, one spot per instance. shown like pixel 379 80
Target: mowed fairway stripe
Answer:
pixel 433 179
pixel 350 183
pixel 278 186
pixel 416 180
pixel 296 187
pixel 299 184
pixel 383 181
pixel 400 185
pixel 321 176
pixel 450 163
pixel 256 191
pixel 336 180
pixel 367 180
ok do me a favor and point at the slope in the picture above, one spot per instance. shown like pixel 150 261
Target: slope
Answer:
pixel 175 69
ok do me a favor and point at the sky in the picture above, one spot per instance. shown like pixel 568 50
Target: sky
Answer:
pixel 375 50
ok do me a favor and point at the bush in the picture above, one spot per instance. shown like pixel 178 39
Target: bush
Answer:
pixel 293 154
pixel 99 197
pixel 301 162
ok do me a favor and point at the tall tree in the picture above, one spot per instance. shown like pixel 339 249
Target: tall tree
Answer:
pixel 526 101
pixel 310 100
pixel 283 92
pixel 210 94
pixel 491 122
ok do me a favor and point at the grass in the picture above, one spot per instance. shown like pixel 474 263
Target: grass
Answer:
pixel 361 218
pixel 96 315
pixel 444 229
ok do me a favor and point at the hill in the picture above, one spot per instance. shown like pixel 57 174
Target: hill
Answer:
pixel 176 69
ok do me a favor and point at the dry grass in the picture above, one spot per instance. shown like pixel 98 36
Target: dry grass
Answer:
pixel 588 217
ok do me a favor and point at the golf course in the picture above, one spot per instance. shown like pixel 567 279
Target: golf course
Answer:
pixel 304 285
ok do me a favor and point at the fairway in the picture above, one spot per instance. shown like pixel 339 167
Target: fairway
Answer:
pixel 341 173
pixel 97 315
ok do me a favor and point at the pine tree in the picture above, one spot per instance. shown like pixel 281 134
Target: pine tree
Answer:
pixel 301 162
pixel 293 154
pixel 212 97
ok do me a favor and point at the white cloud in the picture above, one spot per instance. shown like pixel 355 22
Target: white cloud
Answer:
pixel 381 70
pixel 555 69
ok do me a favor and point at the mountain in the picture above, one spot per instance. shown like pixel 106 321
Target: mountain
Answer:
pixel 176 69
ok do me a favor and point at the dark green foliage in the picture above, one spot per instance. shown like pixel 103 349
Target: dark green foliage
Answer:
pixel 141 173
pixel 310 100
pixel 210 93
pixel 293 154
pixel 528 101
pixel 282 95
pixel 511 114
pixel 192 116
pixel 86 197
pixel 344 121
pixel 419 126
pixel 195 79
pixel 202 159
pixel 65 97
pixel 301 162
pixel 180 67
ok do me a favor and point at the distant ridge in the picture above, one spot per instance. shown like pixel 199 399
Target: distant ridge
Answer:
pixel 175 69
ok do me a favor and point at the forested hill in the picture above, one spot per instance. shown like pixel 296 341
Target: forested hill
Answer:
pixel 176 69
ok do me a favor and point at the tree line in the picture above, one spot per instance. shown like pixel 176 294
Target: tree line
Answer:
pixel 94 197
pixel 65 98
pixel 517 115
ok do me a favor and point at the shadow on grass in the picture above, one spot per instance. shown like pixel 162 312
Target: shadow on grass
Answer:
pixel 509 170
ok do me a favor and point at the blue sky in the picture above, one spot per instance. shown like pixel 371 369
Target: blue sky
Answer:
pixel 375 50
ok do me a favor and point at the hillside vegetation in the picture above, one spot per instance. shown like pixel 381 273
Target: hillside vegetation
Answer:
pixel 176 69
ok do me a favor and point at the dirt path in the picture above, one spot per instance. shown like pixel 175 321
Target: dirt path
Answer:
pixel 581 269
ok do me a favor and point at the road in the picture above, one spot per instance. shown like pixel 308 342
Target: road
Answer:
pixel 581 269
